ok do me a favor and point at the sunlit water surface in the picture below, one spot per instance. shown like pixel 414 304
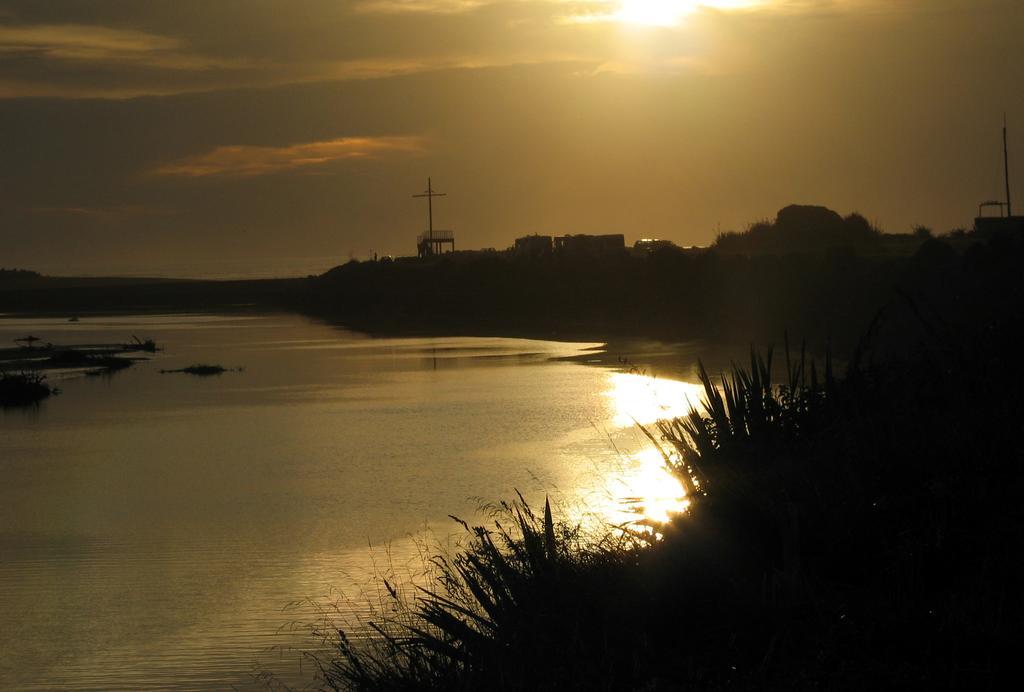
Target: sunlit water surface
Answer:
pixel 154 528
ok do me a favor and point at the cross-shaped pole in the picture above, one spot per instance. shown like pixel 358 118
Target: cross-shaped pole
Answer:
pixel 430 195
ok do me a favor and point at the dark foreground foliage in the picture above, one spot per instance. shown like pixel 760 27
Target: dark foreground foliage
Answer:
pixel 23 389
pixel 846 533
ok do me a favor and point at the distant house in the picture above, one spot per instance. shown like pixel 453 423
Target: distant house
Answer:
pixel 990 225
pixel 652 244
pixel 590 245
pixel 533 246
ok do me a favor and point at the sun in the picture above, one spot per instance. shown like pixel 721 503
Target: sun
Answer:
pixel 652 12
pixel 671 12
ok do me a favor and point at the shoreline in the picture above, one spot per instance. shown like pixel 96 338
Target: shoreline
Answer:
pixel 662 345
pixel 671 358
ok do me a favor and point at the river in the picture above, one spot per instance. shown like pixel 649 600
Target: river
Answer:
pixel 164 531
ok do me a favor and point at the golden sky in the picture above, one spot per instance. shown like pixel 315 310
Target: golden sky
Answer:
pixel 300 128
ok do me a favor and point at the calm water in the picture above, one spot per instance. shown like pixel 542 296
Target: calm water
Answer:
pixel 198 268
pixel 153 527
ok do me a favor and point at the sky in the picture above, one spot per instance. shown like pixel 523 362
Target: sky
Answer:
pixel 183 136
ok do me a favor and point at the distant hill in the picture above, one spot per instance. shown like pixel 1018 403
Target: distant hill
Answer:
pixel 18 278
pixel 20 274
pixel 803 229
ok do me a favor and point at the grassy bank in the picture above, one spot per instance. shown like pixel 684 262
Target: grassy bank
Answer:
pixel 844 532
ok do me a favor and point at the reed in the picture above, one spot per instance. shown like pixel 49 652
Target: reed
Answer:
pixel 515 603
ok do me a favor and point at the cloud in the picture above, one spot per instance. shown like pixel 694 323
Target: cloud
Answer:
pixel 75 60
pixel 248 161
pixel 420 6
pixel 109 49
pixel 112 50
pixel 86 61
pixel 75 42
pixel 585 11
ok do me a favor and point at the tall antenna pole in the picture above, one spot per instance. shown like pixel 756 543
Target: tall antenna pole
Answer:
pixel 1006 168
pixel 430 195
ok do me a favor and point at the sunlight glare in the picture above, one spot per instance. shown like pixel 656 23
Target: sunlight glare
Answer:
pixel 672 12
pixel 651 491
pixel 642 399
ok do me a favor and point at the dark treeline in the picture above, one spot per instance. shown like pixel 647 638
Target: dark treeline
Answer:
pixel 849 530
pixel 10 278
pixel 8 274
pixel 827 287
pixel 799 228
pixel 668 294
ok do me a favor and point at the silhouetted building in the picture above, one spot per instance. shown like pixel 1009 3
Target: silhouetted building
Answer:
pixel 534 246
pixel 590 245
pixel 990 225
pixel 434 243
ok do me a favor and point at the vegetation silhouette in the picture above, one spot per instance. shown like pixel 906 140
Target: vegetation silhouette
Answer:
pixel 13 277
pixel 23 388
pixel 844 532
pixel 807 229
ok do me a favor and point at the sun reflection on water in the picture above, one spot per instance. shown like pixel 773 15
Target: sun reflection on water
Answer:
pixel 643 489
pixel 643 399
pixel 648 491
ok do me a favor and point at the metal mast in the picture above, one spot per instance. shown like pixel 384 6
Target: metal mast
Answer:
pixel 430 195
pixel 1006 168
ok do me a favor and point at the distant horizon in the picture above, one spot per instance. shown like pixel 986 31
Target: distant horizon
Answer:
pixel 214 269
pixel 243 268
